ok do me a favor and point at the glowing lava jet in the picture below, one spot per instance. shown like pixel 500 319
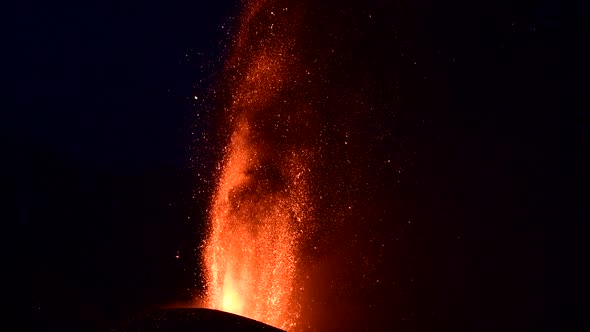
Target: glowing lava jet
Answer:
pixel 260 208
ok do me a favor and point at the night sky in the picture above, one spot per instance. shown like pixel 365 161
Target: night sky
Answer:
pixel 110 159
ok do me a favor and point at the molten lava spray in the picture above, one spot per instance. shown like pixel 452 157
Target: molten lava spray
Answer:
pixel 251 252
pixel 316 195
pixel 260 208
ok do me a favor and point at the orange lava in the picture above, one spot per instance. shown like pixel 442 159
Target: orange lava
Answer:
pixel 251 252
pixel 259 209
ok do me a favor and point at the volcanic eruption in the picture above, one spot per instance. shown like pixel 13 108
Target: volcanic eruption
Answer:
pixel 307 170
pixel 261 207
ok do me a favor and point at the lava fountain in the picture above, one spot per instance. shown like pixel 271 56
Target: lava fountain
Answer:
pixel 260 210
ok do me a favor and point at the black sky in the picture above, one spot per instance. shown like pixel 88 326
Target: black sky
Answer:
pixel 96 144
pixel 107 83
pixel 101 125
